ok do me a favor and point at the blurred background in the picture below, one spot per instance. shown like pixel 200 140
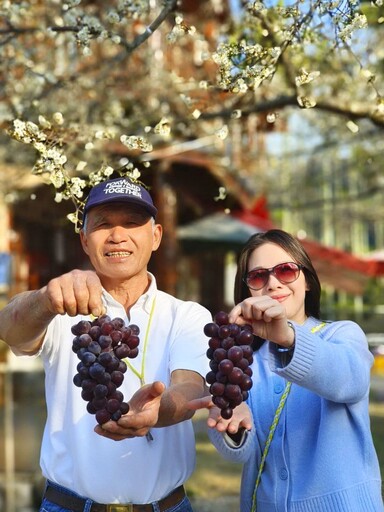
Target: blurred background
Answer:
pixel 239 116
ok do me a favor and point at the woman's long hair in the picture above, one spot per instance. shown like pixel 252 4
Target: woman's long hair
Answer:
pixel 294 248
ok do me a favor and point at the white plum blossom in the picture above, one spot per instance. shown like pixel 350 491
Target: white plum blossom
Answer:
pixel 306 77
pixel 58 118
pixel 86 78
pixel 163 127
pixel 59 196
pixel 136 142
pixel 77 186
pixel 223 132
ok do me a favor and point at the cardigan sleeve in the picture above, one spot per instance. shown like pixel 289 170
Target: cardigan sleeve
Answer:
pixel 333 362
pixel 228 450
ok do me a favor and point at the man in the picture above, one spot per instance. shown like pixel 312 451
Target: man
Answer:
pixel 143 459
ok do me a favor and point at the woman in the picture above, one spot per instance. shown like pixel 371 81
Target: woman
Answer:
pixel 307 445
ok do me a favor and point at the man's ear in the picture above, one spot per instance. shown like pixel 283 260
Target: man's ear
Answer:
pixel 84 242
pixel 157 236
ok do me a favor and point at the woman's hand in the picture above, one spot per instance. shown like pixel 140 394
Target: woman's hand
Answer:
pixel 241 417
pixel 267 317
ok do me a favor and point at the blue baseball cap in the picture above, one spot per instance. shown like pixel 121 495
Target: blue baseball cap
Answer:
pixel 120 190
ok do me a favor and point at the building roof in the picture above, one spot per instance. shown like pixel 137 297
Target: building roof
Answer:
pixel 336 268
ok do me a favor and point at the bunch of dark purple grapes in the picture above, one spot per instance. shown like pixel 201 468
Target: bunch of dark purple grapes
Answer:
pixel 231 354
pixel 101 346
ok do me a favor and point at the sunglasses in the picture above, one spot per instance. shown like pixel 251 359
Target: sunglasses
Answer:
pixel 285 272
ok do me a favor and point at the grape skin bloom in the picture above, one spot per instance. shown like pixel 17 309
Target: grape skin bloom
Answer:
pixel 101 346
pixel 231 354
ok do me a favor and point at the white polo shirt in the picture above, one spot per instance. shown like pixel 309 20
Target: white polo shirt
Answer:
pixel 133 470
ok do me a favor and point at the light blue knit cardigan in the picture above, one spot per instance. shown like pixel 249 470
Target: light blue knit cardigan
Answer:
pixel 322 457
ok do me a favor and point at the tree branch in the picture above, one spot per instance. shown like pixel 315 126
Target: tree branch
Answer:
pixel 169 6
pixel 285 101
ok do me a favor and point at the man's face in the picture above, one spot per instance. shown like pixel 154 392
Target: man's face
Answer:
pixel 119 240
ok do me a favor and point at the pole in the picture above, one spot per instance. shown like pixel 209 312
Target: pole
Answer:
pixel 9 447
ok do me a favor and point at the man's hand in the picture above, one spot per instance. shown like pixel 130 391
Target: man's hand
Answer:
pixel 143 414
pixel 76 293
pixel 24 320
pixel 155 405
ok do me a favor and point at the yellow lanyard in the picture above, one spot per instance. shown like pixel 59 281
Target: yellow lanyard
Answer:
pixel 140 374
pixel 274 425
pixel 269 440
pixel 318 327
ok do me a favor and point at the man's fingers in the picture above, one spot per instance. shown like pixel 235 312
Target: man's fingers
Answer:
pixel 95 305
pixel 200 403
pixel 61 296
pixel 114 436
pixel 87 292
pixel 74 293
pixel 157 388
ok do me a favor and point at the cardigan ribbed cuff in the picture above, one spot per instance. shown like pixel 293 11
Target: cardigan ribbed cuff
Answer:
pixel 302 357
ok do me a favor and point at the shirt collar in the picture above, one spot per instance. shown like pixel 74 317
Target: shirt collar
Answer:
pixel 144 301
pixel 148 297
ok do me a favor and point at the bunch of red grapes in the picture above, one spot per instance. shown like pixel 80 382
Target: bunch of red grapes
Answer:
pixel 101 346
pixel 231 354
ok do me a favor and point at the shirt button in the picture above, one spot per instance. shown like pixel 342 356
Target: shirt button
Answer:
pixel 283 473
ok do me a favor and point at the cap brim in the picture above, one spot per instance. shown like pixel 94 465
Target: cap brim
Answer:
pixel 151 210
